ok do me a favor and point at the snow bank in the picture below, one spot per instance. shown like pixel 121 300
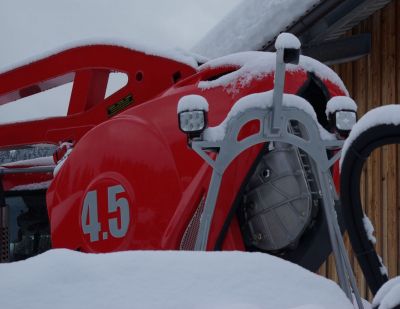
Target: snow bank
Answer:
pixel 165 279
pixel 250 25
pixel 255 65
pixel 387 114
pixel 388 295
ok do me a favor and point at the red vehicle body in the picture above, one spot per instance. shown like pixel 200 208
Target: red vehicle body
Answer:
pixel 131 181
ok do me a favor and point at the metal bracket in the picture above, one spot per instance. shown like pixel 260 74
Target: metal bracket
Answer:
pixel 274 123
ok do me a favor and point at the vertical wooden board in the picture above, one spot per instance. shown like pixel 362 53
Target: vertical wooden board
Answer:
pixel 398 209
pixel 322 270
pixel 360 80
pixel 332 269
pixel 373 100
pixel 384 203
pixel 392 222
pixel 388 63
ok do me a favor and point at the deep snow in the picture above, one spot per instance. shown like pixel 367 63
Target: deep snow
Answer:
pixel 164 279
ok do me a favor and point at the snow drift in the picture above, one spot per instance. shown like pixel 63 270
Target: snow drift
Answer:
pixel 164 279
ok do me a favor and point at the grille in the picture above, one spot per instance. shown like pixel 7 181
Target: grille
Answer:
pixel 189 237
pixel 4 252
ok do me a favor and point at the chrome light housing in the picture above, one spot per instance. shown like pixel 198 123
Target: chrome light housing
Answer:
pixel 342 115
pixel 345 120
pixel 192 122
pixel 192 115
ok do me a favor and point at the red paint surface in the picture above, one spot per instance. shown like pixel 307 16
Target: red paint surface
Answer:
pixel 141 148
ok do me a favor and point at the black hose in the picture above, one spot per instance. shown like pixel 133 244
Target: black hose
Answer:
pixel 352 210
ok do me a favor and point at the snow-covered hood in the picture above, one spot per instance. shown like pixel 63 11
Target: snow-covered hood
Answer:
pixel 255 65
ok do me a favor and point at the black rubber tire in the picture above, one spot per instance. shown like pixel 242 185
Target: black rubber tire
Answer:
pixel 352 210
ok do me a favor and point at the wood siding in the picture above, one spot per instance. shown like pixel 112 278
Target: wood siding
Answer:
pixel 373 81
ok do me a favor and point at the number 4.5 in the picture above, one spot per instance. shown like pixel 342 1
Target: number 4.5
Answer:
pixel 90 219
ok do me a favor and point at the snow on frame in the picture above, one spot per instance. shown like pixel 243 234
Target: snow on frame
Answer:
pixel 263 100
pixel 256 65
pixel 387 114
pixel 369 229
pixel 32 186
pixel 164 279
pixel 41 161
pixel 178 55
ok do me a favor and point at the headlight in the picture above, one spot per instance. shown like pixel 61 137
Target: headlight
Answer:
pixel 345 120
pixel 192 121
pixel 192 115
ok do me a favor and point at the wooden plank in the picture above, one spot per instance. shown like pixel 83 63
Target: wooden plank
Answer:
pixel 397 208
pixel 388 62
pixel 392 222
pixel 360 80
pixel 372 204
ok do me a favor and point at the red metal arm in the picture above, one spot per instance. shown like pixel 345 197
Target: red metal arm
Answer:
pixel 88 67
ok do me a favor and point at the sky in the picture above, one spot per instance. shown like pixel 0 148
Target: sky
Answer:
pixel 28 28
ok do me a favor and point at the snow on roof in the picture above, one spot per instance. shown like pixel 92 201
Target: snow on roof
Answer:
pixel 178 55
pixel 387 114
pixel 250 25
pixel 253 64
pixel 164 279
pixel 263 100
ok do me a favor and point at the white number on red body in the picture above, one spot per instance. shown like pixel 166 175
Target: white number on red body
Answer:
pixel 90 218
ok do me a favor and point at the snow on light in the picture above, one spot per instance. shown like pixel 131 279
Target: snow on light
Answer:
pixel 340 103
pixel 164 279
pixel 263 100
pixel 192 102
pixel 387 114
pixel 388 295
pixel 256 65
pixel 250 25
pixel 287 40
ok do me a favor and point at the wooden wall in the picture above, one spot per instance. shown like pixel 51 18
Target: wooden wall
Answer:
pixel 372 81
